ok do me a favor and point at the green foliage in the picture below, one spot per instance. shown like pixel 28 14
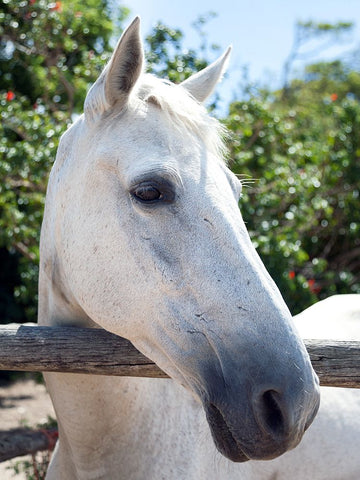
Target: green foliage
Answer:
pixel 34 468
pixel 45 49
pixel 303 208
pixel 28 140
pixel 311 39
pixel 49 55
pixel 166 56
pixel 318 29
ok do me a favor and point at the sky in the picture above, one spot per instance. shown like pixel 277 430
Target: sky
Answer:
pixel 260 31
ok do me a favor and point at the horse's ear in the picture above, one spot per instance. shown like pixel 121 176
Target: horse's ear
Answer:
pixel 120 74
pixel 202 84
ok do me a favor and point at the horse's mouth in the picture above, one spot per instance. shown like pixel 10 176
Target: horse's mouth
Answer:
pixel 222 436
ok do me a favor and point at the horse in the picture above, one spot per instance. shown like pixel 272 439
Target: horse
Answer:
pixel 142 236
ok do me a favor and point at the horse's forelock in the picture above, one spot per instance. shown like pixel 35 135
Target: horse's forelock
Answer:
pixel 183 112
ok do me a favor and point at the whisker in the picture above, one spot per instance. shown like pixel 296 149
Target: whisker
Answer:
pixel 248 182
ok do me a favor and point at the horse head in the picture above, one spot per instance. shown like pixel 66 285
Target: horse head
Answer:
pixel 144 237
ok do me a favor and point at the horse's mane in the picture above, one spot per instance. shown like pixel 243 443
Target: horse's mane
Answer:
pixel 183 111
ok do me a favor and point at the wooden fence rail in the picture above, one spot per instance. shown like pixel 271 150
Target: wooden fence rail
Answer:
pixel 22 441
pixel 97 352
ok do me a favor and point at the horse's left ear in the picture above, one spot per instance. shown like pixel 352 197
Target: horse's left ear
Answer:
pixel 202 84
pixel 120 74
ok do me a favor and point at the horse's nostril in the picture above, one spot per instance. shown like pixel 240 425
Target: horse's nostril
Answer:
pixel 269 413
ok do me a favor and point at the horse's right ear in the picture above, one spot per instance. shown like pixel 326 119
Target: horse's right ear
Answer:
pixel 120 74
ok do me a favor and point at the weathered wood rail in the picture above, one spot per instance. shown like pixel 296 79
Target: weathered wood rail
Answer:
pixel 22 441
pixel 97 352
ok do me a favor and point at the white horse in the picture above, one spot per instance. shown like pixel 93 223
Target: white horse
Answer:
pixel 142 236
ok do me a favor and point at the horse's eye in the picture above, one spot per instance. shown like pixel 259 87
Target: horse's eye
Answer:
pixel 147 193
pixel 157 191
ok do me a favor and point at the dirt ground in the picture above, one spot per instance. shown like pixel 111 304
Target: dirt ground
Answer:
pixel 22 403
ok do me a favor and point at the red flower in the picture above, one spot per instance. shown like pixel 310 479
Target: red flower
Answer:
pixel 291 274
pixel 56 6
pixel 10 96
pixel 312 286
pixel 334 97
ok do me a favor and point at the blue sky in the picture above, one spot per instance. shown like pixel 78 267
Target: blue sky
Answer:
pixel 260 31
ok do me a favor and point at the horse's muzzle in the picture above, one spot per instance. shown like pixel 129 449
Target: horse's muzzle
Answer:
pixel 272 426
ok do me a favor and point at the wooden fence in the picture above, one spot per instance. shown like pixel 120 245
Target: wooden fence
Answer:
pixel 97 352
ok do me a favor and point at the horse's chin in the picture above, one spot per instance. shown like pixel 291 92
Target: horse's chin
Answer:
pixel 222 436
